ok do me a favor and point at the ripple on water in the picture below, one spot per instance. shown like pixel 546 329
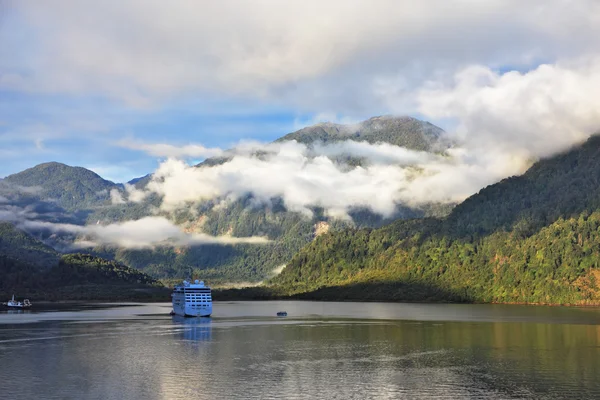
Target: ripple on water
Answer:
pixel 253 356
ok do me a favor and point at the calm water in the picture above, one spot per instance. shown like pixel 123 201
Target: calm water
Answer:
pixel 321 350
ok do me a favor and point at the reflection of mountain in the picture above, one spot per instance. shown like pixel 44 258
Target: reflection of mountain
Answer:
pixel 197 329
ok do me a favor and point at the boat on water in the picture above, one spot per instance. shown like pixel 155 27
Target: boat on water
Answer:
pixel 192 299
pixel 17 304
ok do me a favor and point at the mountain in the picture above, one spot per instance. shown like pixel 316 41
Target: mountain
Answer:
pixel 18 245
pixel 404 131
pixel 400 131
pixel 288 231
pixel 72 188
pixel 141 178
pixel 528 239
pixel 141 182
pixel 58 193
pixel 32 269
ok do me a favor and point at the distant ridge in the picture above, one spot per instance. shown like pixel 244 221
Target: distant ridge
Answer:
pixel 402 131
pixel 71 187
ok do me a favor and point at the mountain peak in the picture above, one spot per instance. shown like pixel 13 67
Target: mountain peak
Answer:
pixel 403 131
pixel 71 187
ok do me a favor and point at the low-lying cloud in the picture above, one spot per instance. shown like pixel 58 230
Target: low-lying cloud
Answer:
pixel 307 176
pixel 144 233
pixel 170 151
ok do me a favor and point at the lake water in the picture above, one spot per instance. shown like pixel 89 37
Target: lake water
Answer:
pixel 321 350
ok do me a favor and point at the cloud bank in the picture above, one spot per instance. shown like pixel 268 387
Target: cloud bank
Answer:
pixel 333 56
pixel 306 177
pixel 147 232
pixel 144 233
pixel 539 112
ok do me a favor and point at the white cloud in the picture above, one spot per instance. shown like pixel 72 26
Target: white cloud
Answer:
pixel 536 113
pixel 116 197
pixel 146 232
pixel 321 56
pixel 306 177
pixel 379 153
pixel 133 194
pixel 171 151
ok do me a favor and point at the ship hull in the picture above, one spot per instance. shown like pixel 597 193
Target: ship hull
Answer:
pixel 191 311
pixel 180 307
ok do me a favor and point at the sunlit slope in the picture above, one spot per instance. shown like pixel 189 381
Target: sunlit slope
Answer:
pixel 534 238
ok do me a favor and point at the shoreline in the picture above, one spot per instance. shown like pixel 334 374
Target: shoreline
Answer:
pixel 125 302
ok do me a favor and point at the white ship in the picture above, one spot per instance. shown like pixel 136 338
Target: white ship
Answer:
pixel 17 304
pixel 192 299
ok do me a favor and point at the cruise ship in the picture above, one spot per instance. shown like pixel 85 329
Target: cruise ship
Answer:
pixel 192 299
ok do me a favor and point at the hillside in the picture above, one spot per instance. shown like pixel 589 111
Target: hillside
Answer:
pixel 58 193
pixel 20 246
pixel 32 269
pixel 289 231
pixel 531 239
pixel 73 188
pixel 400 131
pixel 77 277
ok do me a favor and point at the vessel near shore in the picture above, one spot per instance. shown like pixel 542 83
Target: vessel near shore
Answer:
pixel 192 299
pixel 12 303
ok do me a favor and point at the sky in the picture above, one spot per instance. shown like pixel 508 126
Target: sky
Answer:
pixel 120 86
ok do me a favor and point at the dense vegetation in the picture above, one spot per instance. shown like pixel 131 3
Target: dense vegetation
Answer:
pixel 289 231
pixel 22 247
pixel 78 277
pixel 404 131
pixel 532 239
pixel 73 188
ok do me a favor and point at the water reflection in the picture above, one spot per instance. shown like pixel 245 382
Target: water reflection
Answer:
pixel 198 329
pixel 12 311
pixel 246 355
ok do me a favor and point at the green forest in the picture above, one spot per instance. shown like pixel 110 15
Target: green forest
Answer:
pixel 59 193
pixel 528 239
pixel 78 277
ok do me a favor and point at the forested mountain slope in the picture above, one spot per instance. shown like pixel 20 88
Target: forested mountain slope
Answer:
pixel 533 238
pixel 72 188
pixel 400 131
pixel 289 231
pixel 28 268
pixel 57 193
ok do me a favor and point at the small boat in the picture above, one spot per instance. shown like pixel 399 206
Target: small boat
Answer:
pixel 17 304
pixel 282 313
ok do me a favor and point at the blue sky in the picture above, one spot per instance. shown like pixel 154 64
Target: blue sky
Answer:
pixel 76 77
pixel 86 131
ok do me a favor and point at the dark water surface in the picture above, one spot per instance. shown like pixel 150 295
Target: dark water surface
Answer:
pixel 321 350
